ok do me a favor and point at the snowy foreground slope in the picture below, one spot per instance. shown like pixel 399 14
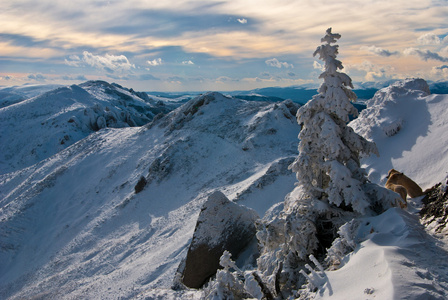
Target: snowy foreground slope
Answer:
pixel 395 257
pixel 72 226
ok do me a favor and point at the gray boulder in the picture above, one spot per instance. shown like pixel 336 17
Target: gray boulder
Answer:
pixel 222 225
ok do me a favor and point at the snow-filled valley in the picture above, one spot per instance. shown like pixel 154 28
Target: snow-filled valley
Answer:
pixel 73 227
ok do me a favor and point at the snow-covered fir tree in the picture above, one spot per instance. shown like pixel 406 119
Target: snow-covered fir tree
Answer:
pixel 331 191
pixel 332 188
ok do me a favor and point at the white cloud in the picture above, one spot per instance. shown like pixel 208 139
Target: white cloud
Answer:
pixel 425 54
pixel 379 51
pixel 440 72
pixel 188 62
pixel 242 21
pixel 444 51
pixel 224 79
pixel 318 66
pixel 73 61
pixel 109 63
pixel 273 62
pixel 37 77
pixel 429 39
pixel 155 62
pixel 372 72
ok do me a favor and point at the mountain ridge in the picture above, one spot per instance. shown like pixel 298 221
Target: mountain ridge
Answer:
pixel 73 227
pixel 81 205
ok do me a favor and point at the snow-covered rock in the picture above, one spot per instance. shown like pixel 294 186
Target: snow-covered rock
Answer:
pixel 409 127
pixel 221 225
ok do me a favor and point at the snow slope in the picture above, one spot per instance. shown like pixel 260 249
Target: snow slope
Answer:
pixel 395 257
pixel 409 127
pixel 15 94
pixel 42 125
pixel 72 226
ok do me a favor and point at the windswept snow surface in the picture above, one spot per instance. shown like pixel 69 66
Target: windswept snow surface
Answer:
pixel 72 226
pixel 395 259
pixel 410 129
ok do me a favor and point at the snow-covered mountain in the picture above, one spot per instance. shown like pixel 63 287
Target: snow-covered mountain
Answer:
pixel 40 126
pixel 14 94
pixel 73 226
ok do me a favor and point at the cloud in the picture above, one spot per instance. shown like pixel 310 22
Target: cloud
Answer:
pixel 273 62
pixel 242 21
pixel 224 79
pixel 79 77
pixel 155 62
pixel 444 51
pixel 372 72
pixel 188 62
pixel 73 60
pixel 440 72
pixel 318 66
pixel 429 39
pixel 379 51
pixel 175 79
pixel 37 77
pixel 291 74
pixel 147 77
pixel 108 63
pixel 6 77
pixel 425 54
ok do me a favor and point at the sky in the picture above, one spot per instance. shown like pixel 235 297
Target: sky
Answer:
pixel 219 45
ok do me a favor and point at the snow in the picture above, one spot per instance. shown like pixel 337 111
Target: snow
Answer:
pixel 72 226
pixel 40 126
pixel 419 146
pixel 395 259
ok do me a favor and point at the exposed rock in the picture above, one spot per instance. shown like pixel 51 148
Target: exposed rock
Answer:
pixel 140 184
pixel 222 225
pixel 435 207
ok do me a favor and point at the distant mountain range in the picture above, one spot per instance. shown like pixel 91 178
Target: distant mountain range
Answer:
pixel 299 94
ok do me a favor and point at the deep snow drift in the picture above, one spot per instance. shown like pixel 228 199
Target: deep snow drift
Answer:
pixel 73 227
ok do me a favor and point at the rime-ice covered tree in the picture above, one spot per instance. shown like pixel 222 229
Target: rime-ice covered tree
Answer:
pixel 328 167
pixel 332 188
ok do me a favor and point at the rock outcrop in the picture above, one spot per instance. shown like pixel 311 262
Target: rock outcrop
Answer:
pixel 435 208
pixel 222 225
